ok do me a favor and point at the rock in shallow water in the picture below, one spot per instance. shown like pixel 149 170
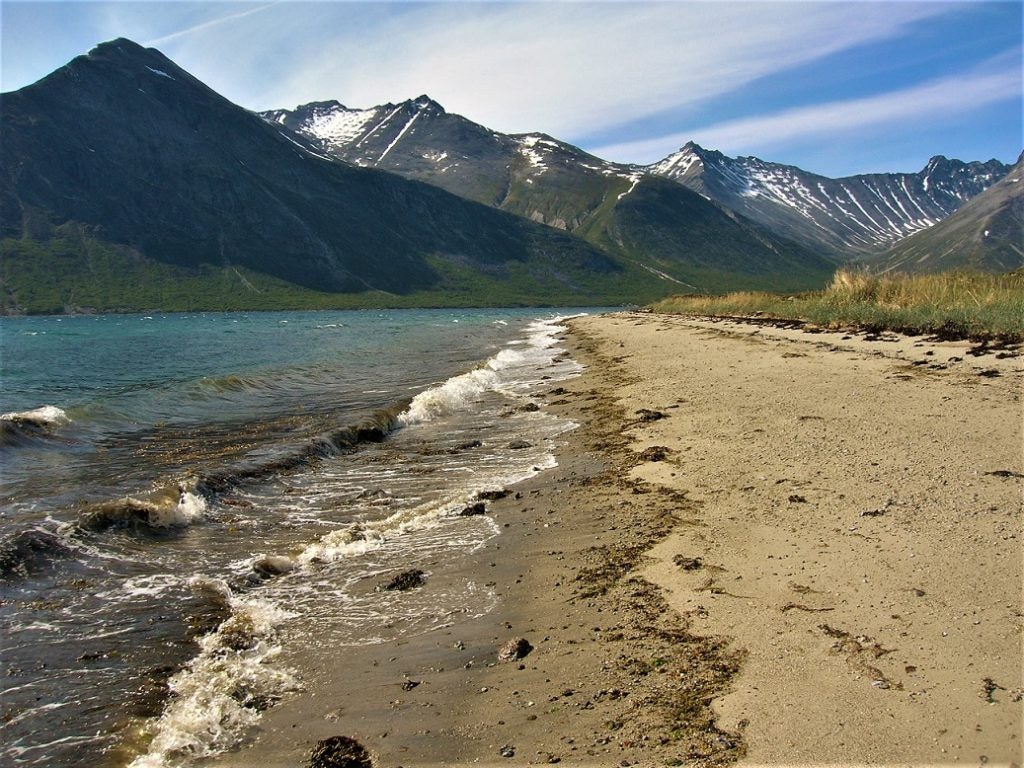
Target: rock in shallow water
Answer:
pixel 273 565
pixel 405 580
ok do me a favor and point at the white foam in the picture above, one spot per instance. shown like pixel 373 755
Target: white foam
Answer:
pixel 450 396
pixel 515 366
pixel 190 508
pixel 208 713
pixel 360 538
pixel 43 416
pixel 151 586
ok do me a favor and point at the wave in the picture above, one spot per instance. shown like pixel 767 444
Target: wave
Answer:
pixel 373 429
pixel 362 537
pixel 178 505
pixel 153 515
pixel 503 372
pixel 19 428
pixel 220 694
pixel 453 395
pixel 44 416
pixel 229 383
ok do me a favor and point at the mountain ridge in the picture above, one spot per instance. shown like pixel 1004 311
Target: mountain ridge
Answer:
pixel 849 216
pixel 124 176
pixel 986 233
pixel 846 218
pixel 539 177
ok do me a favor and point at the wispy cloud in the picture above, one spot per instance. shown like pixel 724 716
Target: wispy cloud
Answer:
pixel 209 24
pixel 587 72
pixel 568 68
pixel 930 102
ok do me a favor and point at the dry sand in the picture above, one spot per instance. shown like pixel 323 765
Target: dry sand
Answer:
pixel 806 550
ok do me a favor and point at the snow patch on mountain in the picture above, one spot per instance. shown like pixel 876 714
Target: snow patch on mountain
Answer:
pixel 676 164
pixel 338 125
pixel 159 72
pixel 401 133
pixel 535 150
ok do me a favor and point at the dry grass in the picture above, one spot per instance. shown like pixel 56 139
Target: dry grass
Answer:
pixel 953 305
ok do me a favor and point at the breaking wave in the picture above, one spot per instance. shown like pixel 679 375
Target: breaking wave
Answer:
pixel 25 427
pixel 502 372
pixel 142 514
pixel 220 694
pixel 372 429
pixel 452 395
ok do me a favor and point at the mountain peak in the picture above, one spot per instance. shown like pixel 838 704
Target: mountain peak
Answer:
pixel 122 44
pixel 679 163
pixel 424 102
pixel 936 161
pixel 329 104
pixel 122 49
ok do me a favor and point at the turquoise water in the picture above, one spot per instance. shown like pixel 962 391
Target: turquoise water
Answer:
pixel 167 479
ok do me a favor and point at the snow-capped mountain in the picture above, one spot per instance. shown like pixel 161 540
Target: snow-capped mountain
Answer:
pixel 847 216
pixel 663 227
pixel 986 232
pixel 420 140
pixel 553 182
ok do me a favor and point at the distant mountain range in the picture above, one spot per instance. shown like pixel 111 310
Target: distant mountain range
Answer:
pixel 986 232
pixel 127 184
pixel 540 177
pixel 845 217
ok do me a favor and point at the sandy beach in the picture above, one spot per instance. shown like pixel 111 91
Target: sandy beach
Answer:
pixel 762 545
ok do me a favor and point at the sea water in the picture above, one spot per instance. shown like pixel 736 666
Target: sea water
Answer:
pixel 189 500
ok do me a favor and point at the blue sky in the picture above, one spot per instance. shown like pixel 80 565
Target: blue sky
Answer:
pixel 833 87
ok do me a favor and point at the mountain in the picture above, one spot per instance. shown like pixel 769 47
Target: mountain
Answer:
pixel 986 232
pixel 532 175
pixel 667 229
pixel 122 171
pixel 847 217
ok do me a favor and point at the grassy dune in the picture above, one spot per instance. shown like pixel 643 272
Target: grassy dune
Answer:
pixel 952 305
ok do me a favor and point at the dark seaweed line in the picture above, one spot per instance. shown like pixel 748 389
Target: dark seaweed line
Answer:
pixel 373 429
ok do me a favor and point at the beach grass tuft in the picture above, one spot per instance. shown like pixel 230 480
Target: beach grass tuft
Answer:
pixel 969 305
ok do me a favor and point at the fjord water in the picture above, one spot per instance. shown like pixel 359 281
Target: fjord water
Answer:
pixel 189 501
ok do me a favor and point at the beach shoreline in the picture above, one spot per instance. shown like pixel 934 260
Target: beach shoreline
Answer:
pixel 669 580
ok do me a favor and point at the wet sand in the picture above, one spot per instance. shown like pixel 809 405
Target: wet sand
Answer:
pixel 761 545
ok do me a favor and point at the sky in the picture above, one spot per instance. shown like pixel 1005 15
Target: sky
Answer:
pixel 833 87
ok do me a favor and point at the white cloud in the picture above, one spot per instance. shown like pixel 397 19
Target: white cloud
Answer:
pixel 927 103
pixel 568 68
pixel 572 69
